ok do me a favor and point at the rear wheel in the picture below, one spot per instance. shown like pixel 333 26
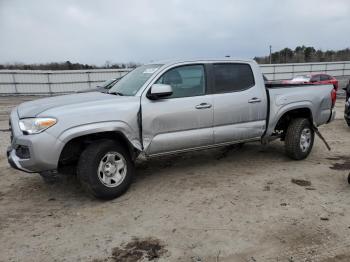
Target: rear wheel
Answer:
pixel 299 138
pixel 105 169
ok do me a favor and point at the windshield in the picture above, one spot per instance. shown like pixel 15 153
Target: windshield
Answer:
pixel 107 83
pixel 133 81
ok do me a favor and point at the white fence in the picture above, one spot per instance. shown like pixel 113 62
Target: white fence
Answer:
pixel 287 71
pixel 51 82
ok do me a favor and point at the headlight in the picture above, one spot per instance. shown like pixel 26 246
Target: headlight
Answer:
pixel 36 125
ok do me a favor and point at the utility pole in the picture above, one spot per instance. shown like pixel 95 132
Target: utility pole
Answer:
pixel 270 54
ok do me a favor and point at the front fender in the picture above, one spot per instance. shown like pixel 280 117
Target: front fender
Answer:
pixel 92 128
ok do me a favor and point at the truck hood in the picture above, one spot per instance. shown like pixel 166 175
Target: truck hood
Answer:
pixel 36 107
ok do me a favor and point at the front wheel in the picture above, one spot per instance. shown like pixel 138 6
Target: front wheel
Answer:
pixel 299 138
pixel 105 169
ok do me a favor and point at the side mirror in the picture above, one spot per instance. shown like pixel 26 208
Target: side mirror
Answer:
pixel 158 91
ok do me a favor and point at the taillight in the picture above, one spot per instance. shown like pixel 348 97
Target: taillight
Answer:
pixel 334 96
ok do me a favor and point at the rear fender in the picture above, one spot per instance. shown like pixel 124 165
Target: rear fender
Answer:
pixel 275 116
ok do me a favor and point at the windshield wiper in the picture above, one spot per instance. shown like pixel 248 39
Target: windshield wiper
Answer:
pixel 116 93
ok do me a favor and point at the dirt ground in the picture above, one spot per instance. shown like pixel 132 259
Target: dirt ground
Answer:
pixel 250 204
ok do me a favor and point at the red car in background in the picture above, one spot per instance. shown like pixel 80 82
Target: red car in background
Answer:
pixel 317 79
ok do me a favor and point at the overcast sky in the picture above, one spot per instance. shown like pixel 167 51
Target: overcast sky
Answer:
pixel 143 30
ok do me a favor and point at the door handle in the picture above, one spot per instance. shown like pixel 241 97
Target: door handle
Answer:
pixel 254 100
pixel 203 106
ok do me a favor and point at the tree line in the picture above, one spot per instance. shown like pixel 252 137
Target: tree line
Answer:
pixel 304 54
pixel 301 54
pixel 66 66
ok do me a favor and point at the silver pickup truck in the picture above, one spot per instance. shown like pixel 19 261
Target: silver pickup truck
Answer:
pixel 164 108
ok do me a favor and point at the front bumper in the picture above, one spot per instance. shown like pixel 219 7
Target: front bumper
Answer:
pixel 14 161
pixel 43 149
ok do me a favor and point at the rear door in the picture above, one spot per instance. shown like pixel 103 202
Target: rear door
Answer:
pixel 240 104
pixel 183 120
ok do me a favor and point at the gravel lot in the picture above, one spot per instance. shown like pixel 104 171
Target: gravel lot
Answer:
pixel 229 204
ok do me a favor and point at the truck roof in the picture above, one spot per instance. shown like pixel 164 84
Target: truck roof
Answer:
pixel 201 60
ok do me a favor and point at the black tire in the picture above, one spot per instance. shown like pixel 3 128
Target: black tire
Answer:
pixel 349 178
pixel 293 139
pixel 88 165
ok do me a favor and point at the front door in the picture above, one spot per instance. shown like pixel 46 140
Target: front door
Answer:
pixel 183 120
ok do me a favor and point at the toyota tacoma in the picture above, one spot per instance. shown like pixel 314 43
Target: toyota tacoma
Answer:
pixel 164 108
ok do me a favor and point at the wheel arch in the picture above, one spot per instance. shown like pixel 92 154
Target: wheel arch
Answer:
pixel 286 117
pixel 75 142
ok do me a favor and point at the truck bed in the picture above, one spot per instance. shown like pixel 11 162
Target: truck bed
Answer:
pixel 286 97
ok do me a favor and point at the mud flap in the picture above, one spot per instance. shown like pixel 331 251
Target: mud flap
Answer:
pixel 321 137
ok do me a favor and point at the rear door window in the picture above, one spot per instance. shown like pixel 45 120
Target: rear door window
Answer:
pixel 232 77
